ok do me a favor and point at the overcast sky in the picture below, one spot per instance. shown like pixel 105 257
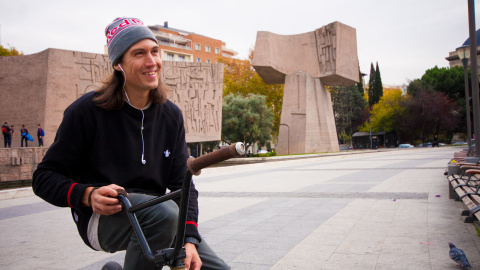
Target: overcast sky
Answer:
pixel 406 37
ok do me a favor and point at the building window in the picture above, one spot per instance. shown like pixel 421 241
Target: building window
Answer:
pixel 170 57
pixel 198 46
pixel 181 58
pixel 217 50
pixel 207 48
pixel 208 61
pixel 199 60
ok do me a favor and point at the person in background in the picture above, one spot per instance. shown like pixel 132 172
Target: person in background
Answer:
pixel 24 132
pixel 435 141
pixel 7 135
pixel 40 134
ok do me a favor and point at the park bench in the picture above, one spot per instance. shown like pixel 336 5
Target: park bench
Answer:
pixel 457 165
pixel 466 188
pixel 463 155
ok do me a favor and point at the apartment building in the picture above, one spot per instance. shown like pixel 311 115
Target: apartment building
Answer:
pixel 180 45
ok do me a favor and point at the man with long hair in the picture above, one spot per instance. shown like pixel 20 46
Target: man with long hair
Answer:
pixel 125 135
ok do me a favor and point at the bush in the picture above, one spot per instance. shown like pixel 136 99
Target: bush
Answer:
pixel 271 154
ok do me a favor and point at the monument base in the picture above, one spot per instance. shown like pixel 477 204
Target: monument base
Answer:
pixel 307 124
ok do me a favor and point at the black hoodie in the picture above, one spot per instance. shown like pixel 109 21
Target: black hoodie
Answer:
pixel 96 147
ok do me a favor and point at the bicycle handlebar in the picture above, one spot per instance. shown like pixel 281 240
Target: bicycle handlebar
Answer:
pixel 195 165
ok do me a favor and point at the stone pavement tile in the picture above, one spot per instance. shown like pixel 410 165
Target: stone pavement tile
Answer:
pixel 306 256
pixel 15 193
pixel 406 245
pixel 326 230
pixel 409 229
pixel 360 244
pixel 268 252
pixel 350 261
pixel 5 203
pixel 249 266
pixel 280 181
pixel 318 238
pixel 222 206
pixel 379 229
pixel 359 205
pixel 399 261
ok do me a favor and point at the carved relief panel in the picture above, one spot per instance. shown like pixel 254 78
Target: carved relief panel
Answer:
pixel 326 48
pixel 197 89
pixel 92 70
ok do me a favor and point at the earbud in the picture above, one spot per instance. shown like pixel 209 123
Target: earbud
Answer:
pixel 143 160
pixel 121 68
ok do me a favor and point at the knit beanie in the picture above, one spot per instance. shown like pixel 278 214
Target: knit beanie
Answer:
pixel 122 33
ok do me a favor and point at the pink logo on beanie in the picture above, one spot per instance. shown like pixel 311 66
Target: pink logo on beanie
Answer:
pixel 124 24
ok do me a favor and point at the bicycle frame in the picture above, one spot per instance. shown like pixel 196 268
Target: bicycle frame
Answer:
pixel 172 257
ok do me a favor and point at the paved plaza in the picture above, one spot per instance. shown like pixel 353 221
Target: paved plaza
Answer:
pixel 373 210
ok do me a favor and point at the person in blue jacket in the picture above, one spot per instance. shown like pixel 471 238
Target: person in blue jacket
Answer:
pixel 24 133
pixel 40 134
pixel 125 135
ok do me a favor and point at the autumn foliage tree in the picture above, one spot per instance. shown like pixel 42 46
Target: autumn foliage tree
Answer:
pixel 241 79
pixel 387 114
pixel 9 52
pixel 414 118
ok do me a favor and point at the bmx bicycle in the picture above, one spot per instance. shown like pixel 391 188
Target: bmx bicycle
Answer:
pixel 173 257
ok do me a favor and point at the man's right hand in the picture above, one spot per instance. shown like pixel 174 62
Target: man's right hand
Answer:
pixel 103 200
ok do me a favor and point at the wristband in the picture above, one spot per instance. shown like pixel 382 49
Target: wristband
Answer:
pixel 192 240
pixel 90 196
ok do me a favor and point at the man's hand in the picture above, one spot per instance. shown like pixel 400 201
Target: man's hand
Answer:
pixel 103 200
pixel 192 261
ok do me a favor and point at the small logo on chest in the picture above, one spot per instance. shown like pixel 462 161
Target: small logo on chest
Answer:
pixel 167 153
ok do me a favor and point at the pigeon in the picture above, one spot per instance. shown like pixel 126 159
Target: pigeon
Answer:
pixel 459 256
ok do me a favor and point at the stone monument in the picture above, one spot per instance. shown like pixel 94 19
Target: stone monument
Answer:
pixel 306 63
pixel 36 89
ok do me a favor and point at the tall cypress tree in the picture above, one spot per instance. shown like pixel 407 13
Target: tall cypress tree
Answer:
pixel 371 89
pixel 360 82
pixel 377 85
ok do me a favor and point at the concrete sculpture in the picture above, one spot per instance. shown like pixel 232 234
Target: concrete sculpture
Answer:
pixel 306 63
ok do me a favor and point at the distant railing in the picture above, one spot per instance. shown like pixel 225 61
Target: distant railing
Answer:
pixel 175 45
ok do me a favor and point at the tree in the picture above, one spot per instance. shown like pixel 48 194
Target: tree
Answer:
pixel 348 104
pixel 360 87
pixel 9 52
pixel 386 114
pixel 246 119
pixel 371 88
pixel 241 79
pixel 414 118
pixel 450 82
pixel 429 113
pixel 377 85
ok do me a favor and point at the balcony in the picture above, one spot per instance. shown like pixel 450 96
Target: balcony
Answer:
pixel 175 45
pixel 230 51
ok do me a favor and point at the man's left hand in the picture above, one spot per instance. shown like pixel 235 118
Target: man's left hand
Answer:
pixel 192 261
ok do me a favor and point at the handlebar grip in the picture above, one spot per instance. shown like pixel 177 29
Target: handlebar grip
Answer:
pixel 195 165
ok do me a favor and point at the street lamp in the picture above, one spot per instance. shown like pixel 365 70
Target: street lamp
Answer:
pixel 474 68
pixel 463 53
